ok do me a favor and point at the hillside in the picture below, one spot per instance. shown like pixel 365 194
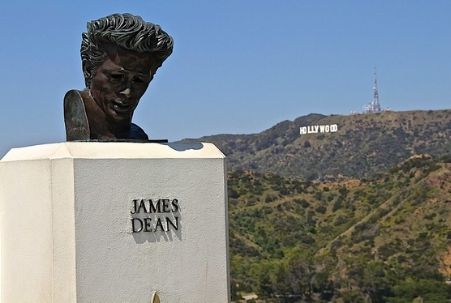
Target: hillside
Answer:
pixel 385 240
pixel 360 215
pixel 364 145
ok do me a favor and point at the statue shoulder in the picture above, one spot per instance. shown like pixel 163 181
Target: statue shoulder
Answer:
pixel 137 133
pixel 75 118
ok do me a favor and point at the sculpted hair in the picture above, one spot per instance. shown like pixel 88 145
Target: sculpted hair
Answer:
pixel 124 30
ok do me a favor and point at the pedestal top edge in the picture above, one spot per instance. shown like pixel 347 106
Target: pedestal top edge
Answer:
pixel 114 150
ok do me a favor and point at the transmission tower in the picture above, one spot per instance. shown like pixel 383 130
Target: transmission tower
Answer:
pixel 374 106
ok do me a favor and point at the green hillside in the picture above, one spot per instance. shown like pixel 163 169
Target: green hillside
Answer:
pixel 364 145
pixel 385 240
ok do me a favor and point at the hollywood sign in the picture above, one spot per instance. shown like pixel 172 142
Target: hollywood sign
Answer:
pixel 314 129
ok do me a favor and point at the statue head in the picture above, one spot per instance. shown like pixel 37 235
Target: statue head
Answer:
pixel 124 31
pixel 120 55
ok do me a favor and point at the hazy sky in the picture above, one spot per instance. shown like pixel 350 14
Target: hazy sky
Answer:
pixel 239 66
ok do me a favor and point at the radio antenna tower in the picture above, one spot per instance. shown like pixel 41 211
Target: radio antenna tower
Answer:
pixel 374 106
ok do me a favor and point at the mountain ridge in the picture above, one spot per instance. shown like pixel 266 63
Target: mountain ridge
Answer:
pixel 364 145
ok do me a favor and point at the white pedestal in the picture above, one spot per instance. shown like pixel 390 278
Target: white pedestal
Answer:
pixel 67 214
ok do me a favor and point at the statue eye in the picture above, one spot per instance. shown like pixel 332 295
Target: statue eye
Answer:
pixel 138 80
pixel 116 77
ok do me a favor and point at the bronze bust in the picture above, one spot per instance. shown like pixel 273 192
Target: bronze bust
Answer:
pixel 120 55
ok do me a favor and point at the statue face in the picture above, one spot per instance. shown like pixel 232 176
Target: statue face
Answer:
pixel 120 81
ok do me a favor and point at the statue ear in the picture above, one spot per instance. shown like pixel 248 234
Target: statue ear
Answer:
pixel 85 51
pixel 87 75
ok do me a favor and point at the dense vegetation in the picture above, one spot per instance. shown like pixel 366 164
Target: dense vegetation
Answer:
pixel 364 145
pixel 382 240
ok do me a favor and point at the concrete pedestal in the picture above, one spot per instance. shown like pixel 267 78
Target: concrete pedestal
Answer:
pixel 113 222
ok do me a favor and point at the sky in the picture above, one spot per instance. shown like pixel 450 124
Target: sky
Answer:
pixel 238 66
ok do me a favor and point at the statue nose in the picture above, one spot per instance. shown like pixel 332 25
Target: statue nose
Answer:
pixel 125 92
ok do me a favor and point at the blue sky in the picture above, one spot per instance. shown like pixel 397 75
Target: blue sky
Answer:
pixel 237 67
